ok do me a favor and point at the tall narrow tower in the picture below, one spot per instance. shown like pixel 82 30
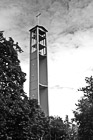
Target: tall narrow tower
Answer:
pixel 38 67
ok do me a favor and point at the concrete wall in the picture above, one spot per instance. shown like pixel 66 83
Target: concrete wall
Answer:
pixel 44 99
pixel 34 77
pixel 43 71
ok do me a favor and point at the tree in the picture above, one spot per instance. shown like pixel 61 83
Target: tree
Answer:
pixel 84 112
pixel 71 129
pixel 11 86
pixel 21 118
pixel 56 130
pixel 39 126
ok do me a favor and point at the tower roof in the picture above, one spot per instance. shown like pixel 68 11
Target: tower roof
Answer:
pixel 41 27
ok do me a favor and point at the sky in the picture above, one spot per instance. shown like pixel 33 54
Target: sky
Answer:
pixel 70 44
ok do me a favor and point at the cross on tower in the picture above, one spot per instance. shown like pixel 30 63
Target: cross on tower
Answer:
pixel 38 18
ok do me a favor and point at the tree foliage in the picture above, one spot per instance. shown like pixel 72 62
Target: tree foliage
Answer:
pixel 84 111
pixel 56 129
pixel 21 118
pixel 71 129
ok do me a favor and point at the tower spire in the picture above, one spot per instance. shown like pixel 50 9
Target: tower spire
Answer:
pixel 37 16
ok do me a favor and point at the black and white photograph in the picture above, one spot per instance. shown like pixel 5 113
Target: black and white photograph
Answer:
pixel 46 69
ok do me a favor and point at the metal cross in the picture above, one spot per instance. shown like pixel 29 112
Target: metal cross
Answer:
pixel 38 18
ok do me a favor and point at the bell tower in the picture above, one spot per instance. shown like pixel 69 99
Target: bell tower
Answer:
pixel 38 87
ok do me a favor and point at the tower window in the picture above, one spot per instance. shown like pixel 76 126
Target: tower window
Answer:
pixel 33 43
pixel 42 42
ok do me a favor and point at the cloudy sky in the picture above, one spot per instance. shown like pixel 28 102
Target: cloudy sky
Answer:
pixel 70 44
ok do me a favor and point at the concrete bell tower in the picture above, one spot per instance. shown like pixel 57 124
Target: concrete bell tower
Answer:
pixel 38 67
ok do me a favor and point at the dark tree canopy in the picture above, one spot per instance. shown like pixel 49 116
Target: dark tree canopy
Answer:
pixel 12 107
pixel 56 129
pixel 20 117
pixel 84 112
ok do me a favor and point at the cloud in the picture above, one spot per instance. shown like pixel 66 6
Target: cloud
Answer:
pixel 8 17
pixel 80 3
pixel 63 101
pixel 76 19
pixel 61 87
pixel 18 17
